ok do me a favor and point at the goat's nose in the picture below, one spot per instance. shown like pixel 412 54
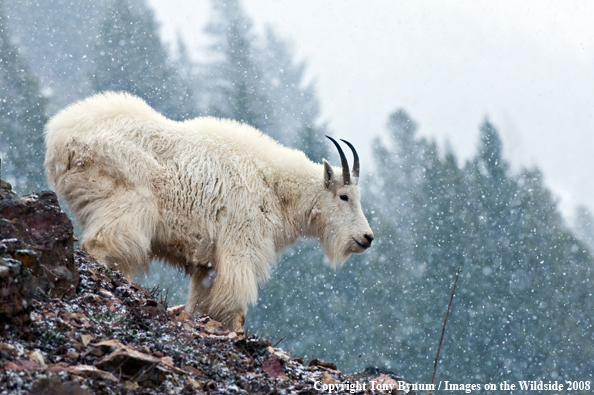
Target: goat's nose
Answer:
pixel 369 237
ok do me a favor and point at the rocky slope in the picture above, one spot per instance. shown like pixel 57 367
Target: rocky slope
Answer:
pixel 70 326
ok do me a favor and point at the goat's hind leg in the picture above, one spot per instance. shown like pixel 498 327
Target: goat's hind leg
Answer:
pixel 119 232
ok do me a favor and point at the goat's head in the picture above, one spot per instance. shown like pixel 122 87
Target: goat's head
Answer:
pixel 342 227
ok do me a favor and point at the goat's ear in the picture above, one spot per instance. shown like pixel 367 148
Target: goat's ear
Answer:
pixel 329 177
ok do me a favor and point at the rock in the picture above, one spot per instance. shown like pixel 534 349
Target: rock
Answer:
pixel 105 293
pixel 71 355
pixel 131 385
pixel 36 356
pixel 5 185
pixel 7 351
pixel 273 367
pixel 196 385
pixel 16 291
pixel 86 339
pixel 278 352
pixel 193 371
pixel 129 364
pixel 175 310
pixel 36 233
pixel 47 386
pixel 371 373
pixel 167 361
pixel 385 381
pixel 214 328
pixel 153 312
pixel 25 364
pixel 324 365
pixel 109 345
pixel 29 258
pixel 92 371
pixel 328 379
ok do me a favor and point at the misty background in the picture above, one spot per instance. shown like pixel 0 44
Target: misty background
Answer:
pixel 474 126
pixel 527 66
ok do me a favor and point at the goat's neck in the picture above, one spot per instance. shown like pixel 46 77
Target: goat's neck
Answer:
pixel 299 198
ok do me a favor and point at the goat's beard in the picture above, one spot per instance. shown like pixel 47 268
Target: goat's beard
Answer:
pixel 337 249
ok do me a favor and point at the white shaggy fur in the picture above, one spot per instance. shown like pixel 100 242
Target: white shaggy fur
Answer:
pixel 213 197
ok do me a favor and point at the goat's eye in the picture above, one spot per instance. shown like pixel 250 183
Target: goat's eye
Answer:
pixel 345 197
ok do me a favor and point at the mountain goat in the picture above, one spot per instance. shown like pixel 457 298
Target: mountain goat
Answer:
pixel 213 197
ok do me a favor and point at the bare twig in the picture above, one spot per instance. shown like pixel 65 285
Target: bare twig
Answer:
pixel 492 377
pixel 164 298
pixel 155 291
pixel 282 338
pixel 443 331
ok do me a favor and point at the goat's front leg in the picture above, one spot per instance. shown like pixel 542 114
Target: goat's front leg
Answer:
pixel 224 291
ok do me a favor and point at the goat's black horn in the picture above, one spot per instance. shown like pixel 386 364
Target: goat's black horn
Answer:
pixel 346 174
pixel 355 173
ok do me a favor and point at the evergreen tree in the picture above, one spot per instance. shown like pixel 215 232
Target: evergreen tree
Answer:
pixel 56 38
pixel 22 117
pixel 490 154
pixel 584 225
pixel 520 250
pixel 236 86
pixel 295 110
pixel 400 164
pixel 191 73
pixel 129 56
